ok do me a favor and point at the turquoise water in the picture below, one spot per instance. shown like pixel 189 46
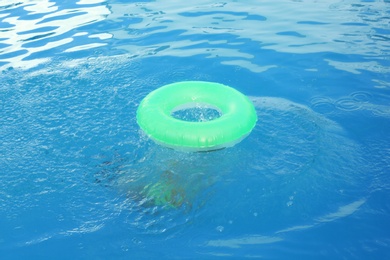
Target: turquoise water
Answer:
pixel 79 180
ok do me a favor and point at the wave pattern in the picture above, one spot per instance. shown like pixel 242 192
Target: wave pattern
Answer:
pixel 74 73
pixel 34 31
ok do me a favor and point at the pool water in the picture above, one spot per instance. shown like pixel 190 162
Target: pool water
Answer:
pixel 80 180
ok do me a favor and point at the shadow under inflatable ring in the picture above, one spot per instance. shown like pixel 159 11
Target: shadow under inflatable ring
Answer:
pixel 238 116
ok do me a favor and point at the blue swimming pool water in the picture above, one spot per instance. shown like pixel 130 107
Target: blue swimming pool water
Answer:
pixel 79 180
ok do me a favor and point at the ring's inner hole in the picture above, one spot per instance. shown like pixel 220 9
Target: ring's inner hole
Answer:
pixel 196 112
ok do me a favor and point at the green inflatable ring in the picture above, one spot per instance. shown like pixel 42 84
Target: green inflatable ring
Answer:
pixel 154 116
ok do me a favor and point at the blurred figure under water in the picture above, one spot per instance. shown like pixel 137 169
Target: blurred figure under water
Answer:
pixel 166 178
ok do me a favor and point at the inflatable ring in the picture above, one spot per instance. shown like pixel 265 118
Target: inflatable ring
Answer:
pixel 238 116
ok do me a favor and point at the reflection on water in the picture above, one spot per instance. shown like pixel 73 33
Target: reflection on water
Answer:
pixel 232 31
pixel 236 243
pixel 35 31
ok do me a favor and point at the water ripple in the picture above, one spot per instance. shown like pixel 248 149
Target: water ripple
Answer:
pixel 162 28
pixel 358 100
pixel 43 26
